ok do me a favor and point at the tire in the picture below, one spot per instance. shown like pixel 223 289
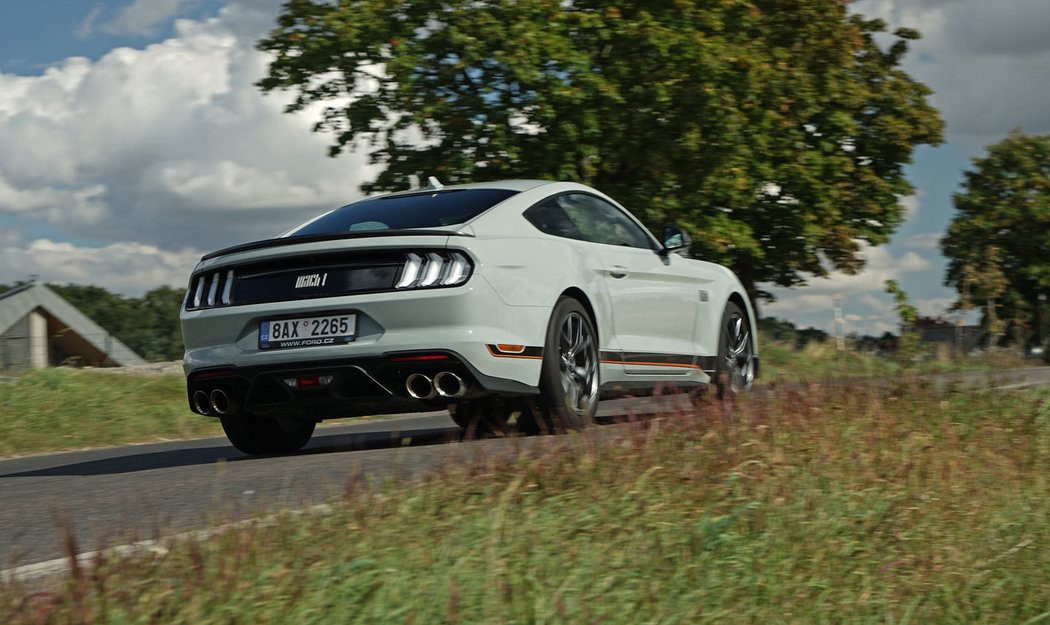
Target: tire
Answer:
pixel 569 377
pixel 735 369
pixel 494 416
pixel 257 435
pixel 471 417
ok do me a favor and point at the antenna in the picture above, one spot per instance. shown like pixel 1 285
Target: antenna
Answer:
pixel 434 183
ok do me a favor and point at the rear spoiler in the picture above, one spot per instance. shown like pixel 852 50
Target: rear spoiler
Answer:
pixel 313 238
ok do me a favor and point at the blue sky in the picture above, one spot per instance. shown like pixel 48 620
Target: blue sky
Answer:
pixel 35 34
pixel 134 140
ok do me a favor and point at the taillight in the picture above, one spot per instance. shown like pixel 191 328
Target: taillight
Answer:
pixel 208 290
pixel 434 269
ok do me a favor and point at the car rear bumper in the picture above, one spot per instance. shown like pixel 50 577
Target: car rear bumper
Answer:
pixel 339 388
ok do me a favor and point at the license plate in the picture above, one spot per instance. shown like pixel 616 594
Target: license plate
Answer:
pixel 307 331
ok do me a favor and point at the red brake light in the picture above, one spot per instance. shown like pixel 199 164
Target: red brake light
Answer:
pixel 419 358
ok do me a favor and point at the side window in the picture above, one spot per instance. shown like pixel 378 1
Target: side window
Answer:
pixel 552 219
pixel 587 218
pixel 601 222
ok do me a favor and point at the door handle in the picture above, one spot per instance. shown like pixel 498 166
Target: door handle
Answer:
pixel 618 271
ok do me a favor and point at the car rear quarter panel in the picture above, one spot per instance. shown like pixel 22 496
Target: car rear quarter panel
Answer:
pixel 529 268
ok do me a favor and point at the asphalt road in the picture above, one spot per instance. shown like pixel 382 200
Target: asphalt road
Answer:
pixel 123 494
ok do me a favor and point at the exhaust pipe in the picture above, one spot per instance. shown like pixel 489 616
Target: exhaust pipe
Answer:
pixel 221 403
pixel 449 384
pixel 201 403
pixel 420 386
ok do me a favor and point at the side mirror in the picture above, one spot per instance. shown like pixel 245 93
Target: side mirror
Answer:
pixel 675 239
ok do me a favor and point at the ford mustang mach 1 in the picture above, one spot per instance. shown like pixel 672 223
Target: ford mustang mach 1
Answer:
pixel 517 302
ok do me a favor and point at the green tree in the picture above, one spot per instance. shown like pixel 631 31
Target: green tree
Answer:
pixel 998 243
pixel 111 311
pixel 909 314
pixel 775 130
pixel 162 336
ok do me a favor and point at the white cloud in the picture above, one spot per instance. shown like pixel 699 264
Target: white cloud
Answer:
pixel 126 267
pixel 87 26
pixel 240 186
pixel 911 205
pixel 56 204
pixel 924 241
pixel 987 62
pixel 934 306
pixel 866 308
pixel 141 17
pixel 171 144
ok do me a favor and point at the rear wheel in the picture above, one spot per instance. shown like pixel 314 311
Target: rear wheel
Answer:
pixel 569 377
pixel 258 435
pixel 499 416
pixel 736 353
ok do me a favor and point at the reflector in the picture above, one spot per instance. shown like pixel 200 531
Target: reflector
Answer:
pixel 307 381
pixel 418 358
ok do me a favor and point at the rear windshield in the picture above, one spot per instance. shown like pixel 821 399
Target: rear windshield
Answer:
pixel 429 209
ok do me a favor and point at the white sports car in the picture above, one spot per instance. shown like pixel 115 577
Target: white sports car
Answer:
pixel 521 299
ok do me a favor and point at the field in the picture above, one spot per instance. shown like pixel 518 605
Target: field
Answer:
pixel 881 503
pixel 56 409
pixel 61 409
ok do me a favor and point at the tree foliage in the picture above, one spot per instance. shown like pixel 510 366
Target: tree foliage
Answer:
pixel 908 313
pixel 998 243
pixel 908 346
pixel 775 130
pixel 783 331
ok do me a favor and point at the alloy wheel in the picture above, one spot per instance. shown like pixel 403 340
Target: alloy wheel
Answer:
pixel 578 363
pixel 739 354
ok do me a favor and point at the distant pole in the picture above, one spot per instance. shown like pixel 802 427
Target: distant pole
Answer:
pixel 1040 321
pixel 840 325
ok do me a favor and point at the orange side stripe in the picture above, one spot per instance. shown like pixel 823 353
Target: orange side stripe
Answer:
pixel 654 364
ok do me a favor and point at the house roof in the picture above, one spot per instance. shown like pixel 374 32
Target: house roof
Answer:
pixel 20 301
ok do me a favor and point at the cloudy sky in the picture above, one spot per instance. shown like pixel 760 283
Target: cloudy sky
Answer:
pixel 132 140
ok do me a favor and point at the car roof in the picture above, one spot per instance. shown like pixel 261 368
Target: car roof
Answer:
pixel 510 185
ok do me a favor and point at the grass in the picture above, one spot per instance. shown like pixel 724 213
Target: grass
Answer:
pixel 55 409
pixel 820 361
pixel 64 408
pixel 895 503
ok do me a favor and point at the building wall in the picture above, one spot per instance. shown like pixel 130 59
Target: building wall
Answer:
pixel 38 352
pixel 15 346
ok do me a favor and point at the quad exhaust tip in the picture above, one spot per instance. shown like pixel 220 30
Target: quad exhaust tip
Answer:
pixel 445 384
pixel 201 403
pixel 221 402
pixel 420 386
pixel 448 384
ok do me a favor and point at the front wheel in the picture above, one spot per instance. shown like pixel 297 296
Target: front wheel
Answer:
pixel 569 377
pixel 258 435
pixel 736 353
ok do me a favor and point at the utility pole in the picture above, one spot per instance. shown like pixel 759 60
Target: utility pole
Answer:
pixel 1040 323
pixel 840 325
